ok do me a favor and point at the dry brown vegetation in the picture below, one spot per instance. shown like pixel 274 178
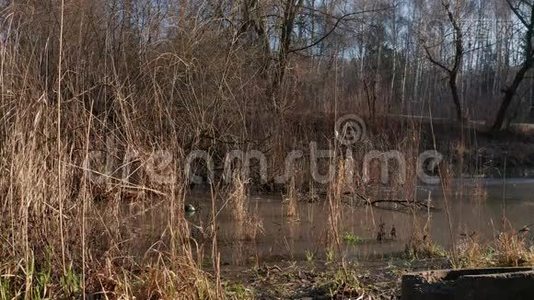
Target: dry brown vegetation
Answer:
pixel 91 90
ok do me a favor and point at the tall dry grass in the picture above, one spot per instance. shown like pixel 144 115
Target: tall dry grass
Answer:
pixel 292 199
pixel 80 107
pixel 508 248
pixel 238 198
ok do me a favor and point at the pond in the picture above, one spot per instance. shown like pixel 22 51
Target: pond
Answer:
pixel 476 208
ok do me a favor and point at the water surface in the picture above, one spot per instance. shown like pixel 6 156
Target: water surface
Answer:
pixel 476 206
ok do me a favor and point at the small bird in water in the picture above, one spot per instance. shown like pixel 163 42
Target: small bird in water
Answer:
pixel 524 230
pixel 471 235
pixel 189 209
pixel 393 232
pixel 381 234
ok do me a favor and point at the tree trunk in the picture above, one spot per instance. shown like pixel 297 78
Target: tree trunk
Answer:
pixel 453 71
pixel 510 92
pixel 288 22
pixel 456 98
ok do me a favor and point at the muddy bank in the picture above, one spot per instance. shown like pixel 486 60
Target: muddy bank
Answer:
pixel 323 280
pixel 475 151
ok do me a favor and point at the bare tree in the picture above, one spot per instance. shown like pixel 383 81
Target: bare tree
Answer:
pixel 291 8
pixel 524 11
pixel 454 70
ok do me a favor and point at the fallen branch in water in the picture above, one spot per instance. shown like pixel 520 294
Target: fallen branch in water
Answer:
pixel 405 203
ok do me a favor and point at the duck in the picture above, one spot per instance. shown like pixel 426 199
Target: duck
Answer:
pixel 189 209
pixel 525 230
pixel 381 234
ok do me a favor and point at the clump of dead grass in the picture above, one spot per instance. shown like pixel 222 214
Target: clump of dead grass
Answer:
pixel 510 248
pixel 249 224
pixel 421 246
pixel 238 198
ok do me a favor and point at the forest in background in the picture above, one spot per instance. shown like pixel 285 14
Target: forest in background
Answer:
pixel 270 59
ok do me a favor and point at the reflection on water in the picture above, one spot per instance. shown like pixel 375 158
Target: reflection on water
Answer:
pixel 477 207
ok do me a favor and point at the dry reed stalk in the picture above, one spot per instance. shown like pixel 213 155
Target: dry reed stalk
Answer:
pixel 292 199
pixel 335 188
pixel 238 198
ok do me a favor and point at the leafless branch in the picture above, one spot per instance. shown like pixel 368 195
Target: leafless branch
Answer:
pixel 338 21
